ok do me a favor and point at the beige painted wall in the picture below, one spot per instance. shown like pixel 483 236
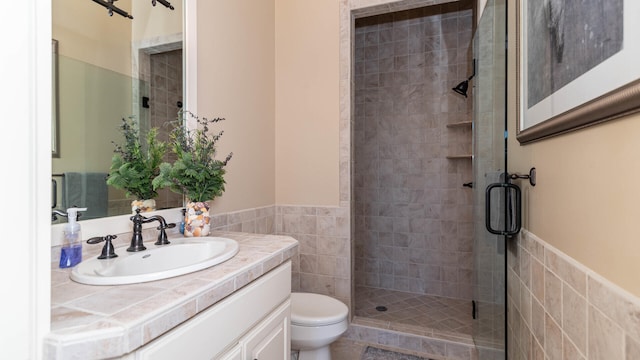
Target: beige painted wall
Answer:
pixel 275 80
pixel 236 81
pixel 587 200
pixel 86 32
pixel 155 22
pixel 307 102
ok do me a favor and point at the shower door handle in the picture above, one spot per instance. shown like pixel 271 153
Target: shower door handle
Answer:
pixel 512 213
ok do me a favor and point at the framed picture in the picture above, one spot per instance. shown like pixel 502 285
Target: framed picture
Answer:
pixel 577 64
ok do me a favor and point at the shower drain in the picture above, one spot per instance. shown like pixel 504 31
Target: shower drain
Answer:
pixel 381 308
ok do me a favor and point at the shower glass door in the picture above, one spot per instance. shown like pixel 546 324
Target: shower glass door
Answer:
pixel 489 163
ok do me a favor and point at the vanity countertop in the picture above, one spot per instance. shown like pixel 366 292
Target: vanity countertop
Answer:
pixel 95 322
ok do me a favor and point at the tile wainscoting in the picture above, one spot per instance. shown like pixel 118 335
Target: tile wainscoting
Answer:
pixel 323 264
pixel 257 220
pixel 560 309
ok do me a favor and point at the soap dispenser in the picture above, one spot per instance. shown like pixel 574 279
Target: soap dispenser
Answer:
pixel 71 253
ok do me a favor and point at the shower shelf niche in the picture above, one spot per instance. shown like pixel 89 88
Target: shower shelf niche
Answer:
pixel 454 157
pixel 460 124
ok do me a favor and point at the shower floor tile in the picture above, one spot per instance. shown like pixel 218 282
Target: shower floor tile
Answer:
pixel 431 313
pixel 428 315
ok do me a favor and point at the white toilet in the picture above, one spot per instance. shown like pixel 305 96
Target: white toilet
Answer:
pixel 316 321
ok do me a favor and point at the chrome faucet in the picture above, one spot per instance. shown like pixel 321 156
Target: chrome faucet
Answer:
pixel 136 238
pixel 55 213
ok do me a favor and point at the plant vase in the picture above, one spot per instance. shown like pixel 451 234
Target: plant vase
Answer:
pixel 144 205
pixel 197 219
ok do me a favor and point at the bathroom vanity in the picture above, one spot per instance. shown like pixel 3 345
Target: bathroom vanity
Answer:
pixel 239 309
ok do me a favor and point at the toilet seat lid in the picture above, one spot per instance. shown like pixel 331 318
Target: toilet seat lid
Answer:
pixel 309 309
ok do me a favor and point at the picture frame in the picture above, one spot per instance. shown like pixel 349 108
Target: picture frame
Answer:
pixel 563 84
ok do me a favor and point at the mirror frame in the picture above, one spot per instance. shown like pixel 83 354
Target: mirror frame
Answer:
pixel 55 102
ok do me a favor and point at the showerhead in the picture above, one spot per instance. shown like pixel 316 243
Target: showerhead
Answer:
pixel 462 88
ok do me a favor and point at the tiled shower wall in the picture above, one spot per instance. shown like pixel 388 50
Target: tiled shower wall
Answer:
pixel 413 217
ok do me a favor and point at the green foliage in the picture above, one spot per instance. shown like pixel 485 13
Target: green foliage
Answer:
pixel 195 172
pixel 134 164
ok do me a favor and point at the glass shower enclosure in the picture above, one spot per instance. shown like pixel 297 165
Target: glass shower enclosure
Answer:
pixel 489 167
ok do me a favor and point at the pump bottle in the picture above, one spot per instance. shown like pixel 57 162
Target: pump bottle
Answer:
pixel 71 253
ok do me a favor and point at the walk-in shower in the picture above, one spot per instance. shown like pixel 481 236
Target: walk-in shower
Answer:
pixel 415 141
pixel 412 156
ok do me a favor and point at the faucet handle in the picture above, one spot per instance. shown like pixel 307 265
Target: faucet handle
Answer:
pixel 162 237
pixel 107 251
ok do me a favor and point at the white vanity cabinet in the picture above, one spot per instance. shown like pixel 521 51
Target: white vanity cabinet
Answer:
pixel 233 354
pixel 270 339
pixel 253 323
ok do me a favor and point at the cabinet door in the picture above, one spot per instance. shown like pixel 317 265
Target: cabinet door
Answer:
pixel 271 338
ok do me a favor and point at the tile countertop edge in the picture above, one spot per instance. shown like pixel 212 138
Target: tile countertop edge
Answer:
pixel 107 336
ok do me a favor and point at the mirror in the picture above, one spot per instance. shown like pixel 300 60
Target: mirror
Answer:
pixel 110 67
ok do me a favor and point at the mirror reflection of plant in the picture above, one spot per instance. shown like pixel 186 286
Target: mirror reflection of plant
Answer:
pixel 135 164
pixel 195 172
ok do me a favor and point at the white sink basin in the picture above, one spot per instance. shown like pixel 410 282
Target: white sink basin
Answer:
pixel 181 257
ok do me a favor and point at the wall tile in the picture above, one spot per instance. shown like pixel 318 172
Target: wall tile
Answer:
pixel 567 272
pixel 553 296
pixel 569 350
pixel 553 338
pixel 537 352
pixel 537 279
pixel 537 321
pixel 325 258
pixel 620 308
pixel 632 348
pixel 574 317
pixel 606 339
pixel 582 316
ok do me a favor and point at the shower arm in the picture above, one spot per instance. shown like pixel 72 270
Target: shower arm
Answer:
pixel 163 2
pixel 108 4
pixel 474 70
pixel 112 8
